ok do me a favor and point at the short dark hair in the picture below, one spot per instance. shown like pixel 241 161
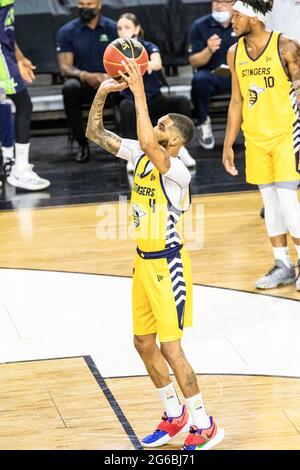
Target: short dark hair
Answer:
pixel 184 125
pixel 260 5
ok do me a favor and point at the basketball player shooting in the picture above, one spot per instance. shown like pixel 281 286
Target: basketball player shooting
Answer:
pixel 265 101
pixel 162 280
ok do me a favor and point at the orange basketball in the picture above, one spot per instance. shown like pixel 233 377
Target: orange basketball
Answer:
pixel 118 50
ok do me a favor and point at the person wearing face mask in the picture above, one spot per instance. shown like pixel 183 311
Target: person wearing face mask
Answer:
pixel 210 38
pixel 129 26
pixel 80 46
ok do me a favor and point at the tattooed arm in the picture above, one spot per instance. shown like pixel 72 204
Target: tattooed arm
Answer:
pixel 290 55
pixel 95 129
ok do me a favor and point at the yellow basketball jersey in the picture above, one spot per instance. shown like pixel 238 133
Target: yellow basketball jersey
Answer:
pixel 156 222
pixel 270 106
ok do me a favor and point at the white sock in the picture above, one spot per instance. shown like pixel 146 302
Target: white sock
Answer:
pixel 199 416
pixel 298 251
pixel 172 405
pixel 22 156
pixel 7 154
pixel 282 253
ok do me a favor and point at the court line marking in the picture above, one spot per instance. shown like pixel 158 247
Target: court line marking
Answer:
pixel 113 403
pixel 130 277
pixel 104 388
pixel 230 374
pixel 213 374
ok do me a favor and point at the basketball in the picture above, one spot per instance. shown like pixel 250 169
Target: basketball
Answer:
pixel 118 50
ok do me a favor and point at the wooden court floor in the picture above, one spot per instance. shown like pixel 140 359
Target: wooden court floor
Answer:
pixel 58 404
pixel 236 250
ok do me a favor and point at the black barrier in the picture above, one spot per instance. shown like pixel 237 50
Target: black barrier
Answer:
pixel 165 22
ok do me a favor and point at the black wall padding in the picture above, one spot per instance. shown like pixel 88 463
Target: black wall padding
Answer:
pixel 165 22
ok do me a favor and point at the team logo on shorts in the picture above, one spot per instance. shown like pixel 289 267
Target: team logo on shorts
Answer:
pixel 10 19
pixel 254 92
pixel 137 214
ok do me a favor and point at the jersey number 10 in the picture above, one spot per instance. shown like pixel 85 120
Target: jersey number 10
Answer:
pixel 269 81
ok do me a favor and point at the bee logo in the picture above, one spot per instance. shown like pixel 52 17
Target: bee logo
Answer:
pixel 254 92
pixel 137 214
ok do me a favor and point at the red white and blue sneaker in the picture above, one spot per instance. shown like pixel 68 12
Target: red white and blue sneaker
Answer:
pixel 167 429
pixel 204 439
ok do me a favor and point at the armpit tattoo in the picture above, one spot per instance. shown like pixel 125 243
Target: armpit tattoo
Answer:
pixel 96 131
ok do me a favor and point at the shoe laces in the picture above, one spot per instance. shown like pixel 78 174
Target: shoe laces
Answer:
pixel 166 418
pixel 273 270
pixel 156 431
pixel 193 429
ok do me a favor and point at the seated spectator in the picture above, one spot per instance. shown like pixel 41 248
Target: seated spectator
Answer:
pixel 210 38
pixel 15 72
pixel 158 104
pixel 80 46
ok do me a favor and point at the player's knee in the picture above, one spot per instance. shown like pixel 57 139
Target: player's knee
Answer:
pixel 70 86
pixel 200 81
pixel 28 108
pixel 171 351
pixel 144 345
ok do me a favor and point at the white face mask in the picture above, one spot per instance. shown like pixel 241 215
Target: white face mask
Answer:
pixel 221 16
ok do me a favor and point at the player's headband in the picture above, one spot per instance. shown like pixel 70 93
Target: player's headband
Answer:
pixel 248 10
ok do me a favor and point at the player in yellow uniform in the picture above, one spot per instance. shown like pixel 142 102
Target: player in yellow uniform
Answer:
pixel 265 101
pixel 162 280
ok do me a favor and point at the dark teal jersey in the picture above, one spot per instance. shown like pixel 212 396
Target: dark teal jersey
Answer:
pixel 10 78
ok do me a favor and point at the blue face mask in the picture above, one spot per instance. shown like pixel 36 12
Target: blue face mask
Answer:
pixel 221 16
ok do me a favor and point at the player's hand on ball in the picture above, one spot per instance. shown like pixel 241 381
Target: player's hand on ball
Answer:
pixel 132 76
pixel 228 162
pixel 111 85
